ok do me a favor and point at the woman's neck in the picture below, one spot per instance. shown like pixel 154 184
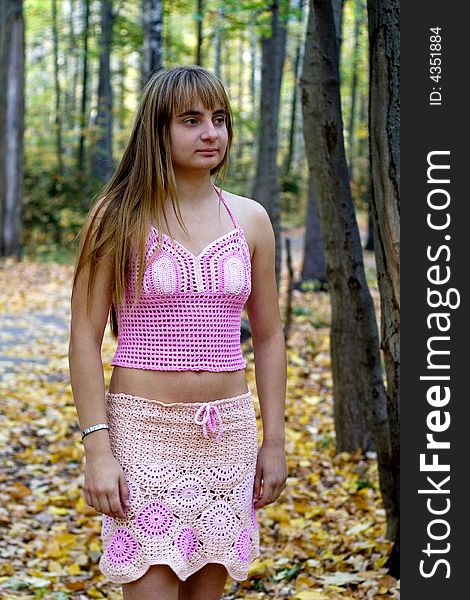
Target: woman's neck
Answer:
pixel 194 191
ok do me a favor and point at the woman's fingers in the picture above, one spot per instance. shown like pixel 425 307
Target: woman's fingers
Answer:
pixel 123 491
pixel 115 506
pixel 271 490
pixel 257 491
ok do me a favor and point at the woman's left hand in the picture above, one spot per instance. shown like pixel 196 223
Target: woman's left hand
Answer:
pixel 271 474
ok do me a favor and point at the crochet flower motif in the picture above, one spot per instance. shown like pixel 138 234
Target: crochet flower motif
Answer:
pixel 186 541
pixel 154 519
pixel 244 493
pixel 122 547
pixel 106 525
pixel 188 492
pixel 225 475
pixel 133 491
pixel 154 475
pixel 242 543
pixel 219 520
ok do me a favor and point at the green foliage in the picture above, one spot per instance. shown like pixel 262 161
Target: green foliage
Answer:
pixel 55 204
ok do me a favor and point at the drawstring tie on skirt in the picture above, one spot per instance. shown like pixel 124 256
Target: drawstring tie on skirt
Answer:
pixel 208 415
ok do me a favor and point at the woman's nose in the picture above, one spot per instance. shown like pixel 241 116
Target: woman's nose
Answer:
pixel 209 131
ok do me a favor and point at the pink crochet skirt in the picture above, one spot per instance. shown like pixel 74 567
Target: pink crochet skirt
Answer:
pixel 190 470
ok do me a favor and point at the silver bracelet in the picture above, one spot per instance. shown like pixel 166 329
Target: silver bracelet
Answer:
pixel 96 427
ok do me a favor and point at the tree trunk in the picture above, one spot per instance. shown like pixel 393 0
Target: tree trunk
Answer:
pixel 337 6
pixel 103 151
pixel 313 268
pixel 199 33
pixel 354 67
pixel 254 66
pixel 12 52
pixel 359 395
pixel 153 45
pixel 57 118
pixel 293 119
pixel 71 68
pixel 384 131
pixel 267 188
pixel 218 40
pixel 83 109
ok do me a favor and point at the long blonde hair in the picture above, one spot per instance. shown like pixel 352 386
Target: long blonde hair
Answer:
pixel 134 198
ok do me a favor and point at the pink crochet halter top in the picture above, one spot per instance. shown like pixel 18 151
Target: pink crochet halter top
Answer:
pixel 188 316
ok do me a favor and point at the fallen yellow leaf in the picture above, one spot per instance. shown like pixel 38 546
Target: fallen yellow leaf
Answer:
pixel 310 595
pixel 258 569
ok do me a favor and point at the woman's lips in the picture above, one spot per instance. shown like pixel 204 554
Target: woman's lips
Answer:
pixel 208 151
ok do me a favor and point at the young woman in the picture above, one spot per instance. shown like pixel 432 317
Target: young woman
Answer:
pixel 171 448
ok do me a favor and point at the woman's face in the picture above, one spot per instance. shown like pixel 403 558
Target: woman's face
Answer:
pixel 198 138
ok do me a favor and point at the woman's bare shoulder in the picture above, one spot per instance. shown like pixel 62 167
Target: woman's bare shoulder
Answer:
pixel 245 209
pixel 252 218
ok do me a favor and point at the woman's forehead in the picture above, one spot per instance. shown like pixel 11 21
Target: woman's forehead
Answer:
pixel 200 109
pixel 198 100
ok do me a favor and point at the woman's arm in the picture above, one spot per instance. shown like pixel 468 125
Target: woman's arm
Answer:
pixel 105 484
pixel 270 360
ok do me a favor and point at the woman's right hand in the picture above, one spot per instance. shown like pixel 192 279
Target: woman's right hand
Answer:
pixel 105 485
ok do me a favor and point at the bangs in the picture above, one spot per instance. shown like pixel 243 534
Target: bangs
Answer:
pixel 190 86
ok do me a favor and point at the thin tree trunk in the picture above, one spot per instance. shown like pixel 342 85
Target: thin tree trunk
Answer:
pixel 254 66
pixel 267 188
pixel 218 40
pixel 57 118
pixel 354 67
pixel 199 17
pixel 359 395
pixel 293 118
pixel 241 129
pixel 153 45
pixel 83 108
pixel 12 54
pixel 384 128
pixel 102 166
pixel 121 99
pixel 70 68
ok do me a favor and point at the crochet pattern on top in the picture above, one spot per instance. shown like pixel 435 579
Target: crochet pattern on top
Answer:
pixel 190 472
pixel 188 316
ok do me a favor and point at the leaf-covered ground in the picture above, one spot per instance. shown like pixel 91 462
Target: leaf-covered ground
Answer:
pixel 324 539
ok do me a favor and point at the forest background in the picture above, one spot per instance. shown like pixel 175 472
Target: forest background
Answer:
pixel 85 62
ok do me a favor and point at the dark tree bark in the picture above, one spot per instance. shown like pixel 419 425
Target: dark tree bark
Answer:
pixel 57 116
pixel 12 52
pixel 83 108
pixel 370 229
pixel 267 189
pixel 337 6
pixel 153 45
pixel 359 395
pixel 199 17
pixel 102 165
pixel 384 128
pixel 313 267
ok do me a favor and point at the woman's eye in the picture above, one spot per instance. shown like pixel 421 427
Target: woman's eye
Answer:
pixel 220 120
pixel 191 121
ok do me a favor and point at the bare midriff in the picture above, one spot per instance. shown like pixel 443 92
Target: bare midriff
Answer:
pixel 178 386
